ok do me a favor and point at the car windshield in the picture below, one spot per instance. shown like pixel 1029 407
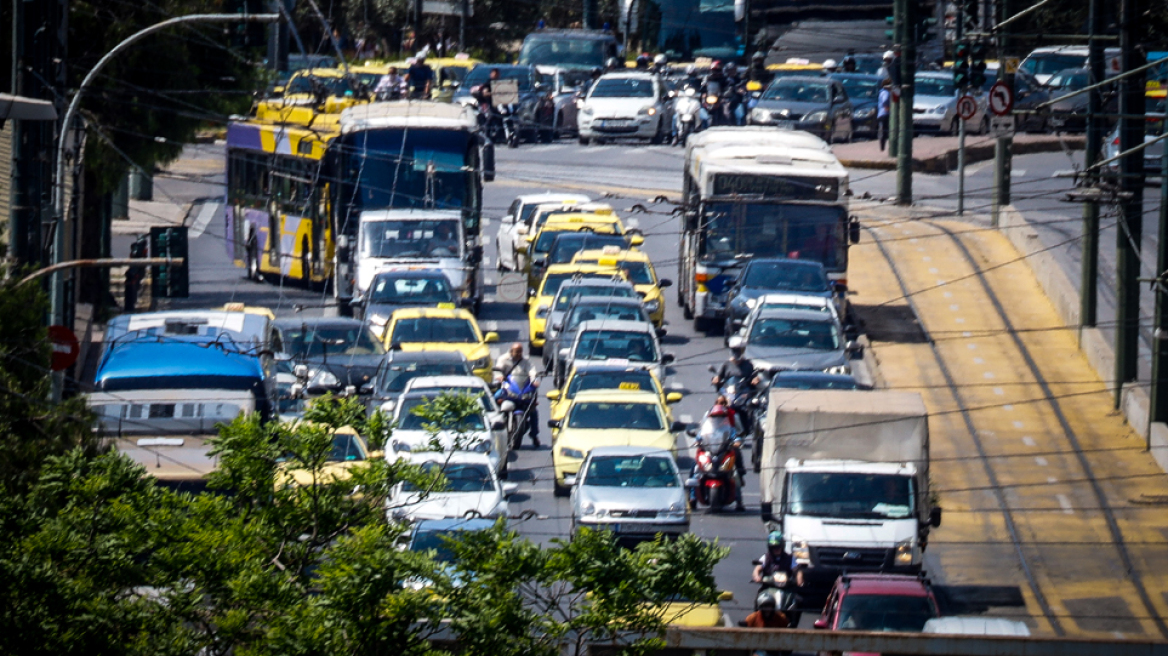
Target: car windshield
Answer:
pixel 553 281
pixel 346 448
pixel 482 74
pixel 797 232
pixel 874 612
pixel 638 273
pixel 408 419
pixel 484 397
pixel 1071 80
pixel 935 86
pixel 1050 63
pixel 622 87
pixel 308 341
pixel 547 237
pixel 566 247
pixel 797 333
pixel 796 91
pixel 433 329
pixel 631 416
pixel 795 305
pixel 393 378
pixel 334 86
pixel 861 88
pixel 850 496
pixel 616 344
pixel 572 292
pixel 630 471
pixel 422 168
pixel 393 290
pixel 562 51
pixel 798 277
pixel 460 477
pixel 595 311
pixel 631 380
pixel 410 239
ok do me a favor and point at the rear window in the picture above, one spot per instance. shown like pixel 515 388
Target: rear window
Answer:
pixel 633 416
pixel 636 380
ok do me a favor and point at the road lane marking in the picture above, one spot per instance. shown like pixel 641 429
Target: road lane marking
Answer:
pixel 1018 424
pixel 971 346
pixel 1028 441
pixel 1041 461
pixel 959 320
pixel 979 360
pixel 947 294
pixel 999 391
pixel 676 385
pixel 1008 408
pixel 1065 503
pixel 1051 479
pixel 685 419
pixel 486 223
pixel 491 326
pixel 954 307
pixel 204 219
pixel 988 374
pixel 966 334
pixel 926 259
pixel 633 223
pixel 934 270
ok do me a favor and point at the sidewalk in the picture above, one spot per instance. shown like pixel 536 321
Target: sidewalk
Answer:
pixel 177 187
pixel 938 154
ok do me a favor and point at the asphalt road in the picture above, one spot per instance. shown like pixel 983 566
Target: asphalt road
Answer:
pixel 625 176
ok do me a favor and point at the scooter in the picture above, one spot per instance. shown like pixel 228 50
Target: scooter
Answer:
pixel 688 110
pixel 716 477
pixel 782 587
pixel 516 403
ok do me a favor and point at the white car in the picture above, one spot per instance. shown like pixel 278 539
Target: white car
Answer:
pixel 633 491
pixel 517 223
pixel 626 105
pixel 473 489
pixel 935 106
pixel 479 433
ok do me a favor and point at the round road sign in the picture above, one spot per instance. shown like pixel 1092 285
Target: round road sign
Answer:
pixel 65 347
pixel 1001 99
pixel 966 107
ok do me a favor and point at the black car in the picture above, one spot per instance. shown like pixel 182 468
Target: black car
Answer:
pixel 864 91
pixel 394 290
pixel 400 367
pixel 770 276
pixel 814 380
pixel 336 353
pixel 818 105
pixel 1028 95
pixel 1070 115
pixel 534 113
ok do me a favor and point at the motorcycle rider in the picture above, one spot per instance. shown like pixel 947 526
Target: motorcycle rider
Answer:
pixel 391 86
pixel 715 81
pixel 737 89
pixel 660 65
pixel 850 62
pixel 767 616
pixel 613 64
pixel 642 61
pixel 757 71
pixel 717 429
pixel 520 369
pixel 776 559
pixel 829 67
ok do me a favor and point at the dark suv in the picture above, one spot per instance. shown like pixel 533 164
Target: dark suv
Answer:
pixel 879 602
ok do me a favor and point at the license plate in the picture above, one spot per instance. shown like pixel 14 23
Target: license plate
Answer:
pixel 786 125
pixel 614 123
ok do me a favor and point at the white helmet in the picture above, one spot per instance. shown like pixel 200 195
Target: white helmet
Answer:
pixel 830 65
pixel 661 59
pixel 888 54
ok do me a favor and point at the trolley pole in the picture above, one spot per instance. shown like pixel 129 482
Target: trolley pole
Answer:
pixel 1159 409
pixel 908 67
pixel 1088 300
pixel 1003 157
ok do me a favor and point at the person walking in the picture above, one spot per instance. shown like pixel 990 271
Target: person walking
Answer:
pixel 883 110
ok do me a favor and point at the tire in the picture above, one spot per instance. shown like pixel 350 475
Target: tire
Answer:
pixel 252 271
pixel 547 136
pixel 954 127
pixel 685 311
pixel 533 349
pixel 560 490
pixel 659 138
pixel 305 264
pixel 584 141
pixel 701 325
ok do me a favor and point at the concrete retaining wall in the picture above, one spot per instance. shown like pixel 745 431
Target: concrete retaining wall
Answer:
pixel 1064 294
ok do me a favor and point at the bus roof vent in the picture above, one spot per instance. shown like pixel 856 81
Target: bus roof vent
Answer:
pixel 771 158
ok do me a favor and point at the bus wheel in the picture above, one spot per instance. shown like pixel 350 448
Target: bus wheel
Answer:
pixel 253 261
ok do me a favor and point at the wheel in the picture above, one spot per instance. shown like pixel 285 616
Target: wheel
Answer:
pixel 658 138
pixel 499 258
pixel 477 307
pixel 546 136
pixel 513 140
pixel 584 141
pixel 533 349
pixel 727 331
pixel 954 127
pixel 253 261
pixel 560 490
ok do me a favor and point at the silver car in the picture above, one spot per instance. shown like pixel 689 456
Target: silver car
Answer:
pixel 589 309
pixel 935 106
pixel 633 491
pixel 1154 127
pixel 795 340
pixel 631 343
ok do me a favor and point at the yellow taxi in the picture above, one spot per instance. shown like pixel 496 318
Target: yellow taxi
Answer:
pixel 340 91
pixel 539 302
pixel 682 612
pixel 249 309
pixel 441 329
pixel 538 246
pixel 449 72
pixel 349 451
pixel 607 418
pixel 638 269
pixel 603 376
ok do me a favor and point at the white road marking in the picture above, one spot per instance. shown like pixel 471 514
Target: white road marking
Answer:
pixel 491 326
pixel 1041 461
pixel 954 307
pixel 967 334
pixel 942 282
pixel 913 240
pixel 934 270
pixel 488 298
pixel 988 374
pixel 490 281
pixel 999 391
pixel 487 261
pixel 204 219
pixel 486 223
pixel 971 346
pixel 926 259
pixel 959 320
pixel 1065 503
pixel 978 361
pixel 676 385
pixel 1018 424
pixel 1018 173
pixel 947 294
pixel 1028 441
pixel 633 223
pixel 685 419
pixel 1051 479
pixel 1008 408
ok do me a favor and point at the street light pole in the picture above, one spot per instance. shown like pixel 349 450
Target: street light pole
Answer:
pixel 57 286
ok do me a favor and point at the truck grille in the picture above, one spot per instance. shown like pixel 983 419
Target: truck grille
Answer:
pixel 639 514
pixel 851 559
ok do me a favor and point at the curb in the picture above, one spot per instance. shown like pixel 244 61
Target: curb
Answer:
pixel 947 161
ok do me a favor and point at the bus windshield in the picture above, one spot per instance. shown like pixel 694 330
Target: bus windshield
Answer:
pixel 563 51
pixel 685 29
pixel 394 239
pixel 799 232
pixel 431 169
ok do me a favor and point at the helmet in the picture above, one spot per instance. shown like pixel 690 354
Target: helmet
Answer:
pixel 758 56
pixel 719 411
pixel 691 70
pixel 775 539
pixel 766 600
pixel 642 60
pixel 597 71
pixel 661 60
pixel 731 68
pixel 888 54
pixel 612 63
pixel 716 66
pixel 829 65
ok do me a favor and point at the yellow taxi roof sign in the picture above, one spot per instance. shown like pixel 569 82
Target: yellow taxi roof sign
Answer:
pixel 446 306
pixel 612 249
pixel 607 261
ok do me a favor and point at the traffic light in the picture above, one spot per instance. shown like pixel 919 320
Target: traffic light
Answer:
pixel 970 18
pixel 961 64
pixel 170 280
pixel 925 31
pixel 890 33
pixel 977 64
pixel 247 35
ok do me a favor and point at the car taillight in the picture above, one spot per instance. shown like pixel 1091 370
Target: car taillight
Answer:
pixel 1115 141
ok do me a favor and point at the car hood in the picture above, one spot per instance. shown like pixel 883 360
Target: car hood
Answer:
pixel 1075 104
pixel 586 439
pixel 928 102
pixel 796 109
pixel 871 533
pixel 356 370
pixel 625 498
pixel 440 505
pixel 619 107
pixel 785 357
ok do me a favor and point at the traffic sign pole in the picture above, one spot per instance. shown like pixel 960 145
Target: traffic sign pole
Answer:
pixel 966 109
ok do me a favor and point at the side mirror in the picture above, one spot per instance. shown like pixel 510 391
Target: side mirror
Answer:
pixel 555 423
pixel 853 347
pixel 712 369
pixel 854 230
pixel 736 341
pixel 736 324
pixel 725 595
pixel 558 326
pixel 668 358
pixel 673 397
pixel 820 623
pixel 664 282
pixel 660 332
pixel 342 241
pixel 553 395
pixel 838 287
pixel 357 301
pixel 692 431
pixel 510 489
pixel 636 240
pixel 564 352
pixel 935 517
pixel 521 230
pixel 677 427
pixel 491 338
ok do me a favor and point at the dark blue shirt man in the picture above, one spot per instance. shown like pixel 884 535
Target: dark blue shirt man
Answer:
pixel 420 76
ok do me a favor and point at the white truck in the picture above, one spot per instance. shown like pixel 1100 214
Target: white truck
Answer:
pixel 845 475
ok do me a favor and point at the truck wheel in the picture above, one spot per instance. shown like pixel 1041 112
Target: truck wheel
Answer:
pixel 253 262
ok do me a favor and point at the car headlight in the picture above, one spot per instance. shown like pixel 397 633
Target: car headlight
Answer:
pixel 571 453
pixel 800 552
pixel 652 306
pixel 378 320
pixel 904 552
pixel 647 111
pixel 586 110
pixel 864 113
pixel 839 369
pixel 760 115
pixel 481 363
pixel 675 509
pixel 587 508
pixel 322 378
pixel 815 117
pixel 940 109
pixel 482 446
pixel 710 100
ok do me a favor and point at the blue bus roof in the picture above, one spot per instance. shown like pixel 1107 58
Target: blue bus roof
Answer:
pixel 168 359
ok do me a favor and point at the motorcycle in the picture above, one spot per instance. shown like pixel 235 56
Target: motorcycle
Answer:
pixel 688 110
pixel 782 587
pixel 742 400
pixel 516 402
pixel 497 121
pixel 714 102
pixel 715 484
pixel 506 115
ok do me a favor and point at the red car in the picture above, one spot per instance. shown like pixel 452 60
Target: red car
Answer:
pixel 878 602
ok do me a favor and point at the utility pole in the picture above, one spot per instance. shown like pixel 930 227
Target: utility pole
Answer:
pixel 908 68
pixel 278 35
pixel 1003 157
pixel 590 12
pixel 1159 409
pixel 1130 233
pixel 898 23
pixel 1088 300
